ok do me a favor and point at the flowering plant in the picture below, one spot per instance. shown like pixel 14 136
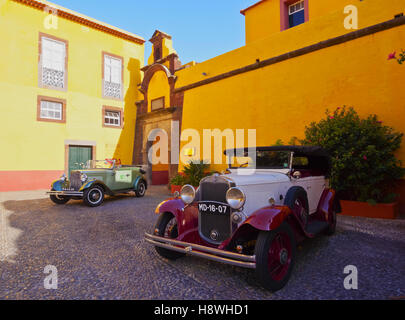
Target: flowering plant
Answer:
pixel 401 58
pixel 364 167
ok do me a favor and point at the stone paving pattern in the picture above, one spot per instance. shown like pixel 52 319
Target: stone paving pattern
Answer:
pixel 100 253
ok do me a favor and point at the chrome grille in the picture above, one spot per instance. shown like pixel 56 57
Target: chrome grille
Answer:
pixel 75 181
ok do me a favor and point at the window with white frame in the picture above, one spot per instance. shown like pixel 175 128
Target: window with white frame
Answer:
pixel 112 118
pixel 51 110
pixel 112 77
pixel 296 13
pixel 53 58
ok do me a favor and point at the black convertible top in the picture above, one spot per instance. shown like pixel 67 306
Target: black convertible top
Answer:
pixel 316 151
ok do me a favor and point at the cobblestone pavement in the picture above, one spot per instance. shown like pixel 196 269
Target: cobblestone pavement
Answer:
pixel 100 254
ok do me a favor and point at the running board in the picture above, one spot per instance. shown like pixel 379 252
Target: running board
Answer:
pixel 213 254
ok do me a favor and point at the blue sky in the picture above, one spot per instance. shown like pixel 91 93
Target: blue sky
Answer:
pixel 200 29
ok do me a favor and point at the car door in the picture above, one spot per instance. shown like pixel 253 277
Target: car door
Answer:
pixel 123 178
pixel 315 187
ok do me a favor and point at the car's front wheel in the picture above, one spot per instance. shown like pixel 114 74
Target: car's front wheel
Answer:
pixel 59 199
pixel 166 226
pixel 93 196
pixel 275 257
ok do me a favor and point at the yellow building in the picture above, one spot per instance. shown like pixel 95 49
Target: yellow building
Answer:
pixel 300 58
pixel 68 85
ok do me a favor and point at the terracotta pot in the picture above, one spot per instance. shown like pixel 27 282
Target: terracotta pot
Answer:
pixel 364 209
pixel 174 188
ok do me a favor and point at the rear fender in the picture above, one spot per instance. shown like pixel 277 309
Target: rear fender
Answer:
pixel 327 203
pixel 138 180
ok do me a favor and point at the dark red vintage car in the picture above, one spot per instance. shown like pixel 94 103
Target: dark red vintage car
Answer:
pixel 254 215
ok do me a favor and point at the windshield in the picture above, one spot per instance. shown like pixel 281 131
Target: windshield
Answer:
pixel 100 164
pixel 264 160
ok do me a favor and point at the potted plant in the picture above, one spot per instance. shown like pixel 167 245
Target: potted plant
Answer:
pixel 176 183
pixel 195 171
pixel 364 169
pixel 192 174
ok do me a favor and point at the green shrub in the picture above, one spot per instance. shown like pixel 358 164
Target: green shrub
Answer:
pixel 195 171
pixel 364 167
pixel 178 180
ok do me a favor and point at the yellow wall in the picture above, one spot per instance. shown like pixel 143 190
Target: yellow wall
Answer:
pixel 264 20
pixel 281 99
pixel 27 144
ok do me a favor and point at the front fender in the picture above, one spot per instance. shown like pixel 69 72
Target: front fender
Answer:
pixel 57 185
pixel 186 216
pixel 88 184
pixel 268 218
pixel 265 219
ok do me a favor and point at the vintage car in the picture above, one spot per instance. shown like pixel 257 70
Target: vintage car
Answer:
pixel 97 178
pixel 252 216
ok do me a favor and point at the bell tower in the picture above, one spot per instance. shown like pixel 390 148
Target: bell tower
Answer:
pixel 163 51
pixel 161 107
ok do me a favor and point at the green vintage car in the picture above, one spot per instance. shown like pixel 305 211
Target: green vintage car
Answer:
pixel 97 178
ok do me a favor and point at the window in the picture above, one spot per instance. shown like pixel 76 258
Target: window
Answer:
pixel 53 62
pixel 51 109
pixel 296 14
pixel 157 53
pixel 112 76
pixel 293 13
pixel 112 117
pixel 157 104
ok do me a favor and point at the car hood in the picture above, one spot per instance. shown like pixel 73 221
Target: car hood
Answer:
pixel 258 177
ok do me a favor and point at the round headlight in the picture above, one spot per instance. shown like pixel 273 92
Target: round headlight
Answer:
pixel 83 177
pixel 187 194
pixel 235 198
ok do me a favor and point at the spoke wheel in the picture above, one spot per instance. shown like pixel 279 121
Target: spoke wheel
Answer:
pixel 275 257
pixel 94 196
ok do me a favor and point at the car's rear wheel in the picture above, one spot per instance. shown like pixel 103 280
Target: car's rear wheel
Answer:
pixel 141 189
pixel 332 223
pixel 275 257
pixel 166 226
pixel 93 196
pixel 59 199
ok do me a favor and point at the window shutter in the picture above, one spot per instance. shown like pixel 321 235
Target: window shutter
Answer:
pixel 53 56
pixel 116 69
pixel 112 77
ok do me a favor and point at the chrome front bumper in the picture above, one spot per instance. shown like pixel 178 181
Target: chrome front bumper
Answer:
pixel 66 193
pixel 235 259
